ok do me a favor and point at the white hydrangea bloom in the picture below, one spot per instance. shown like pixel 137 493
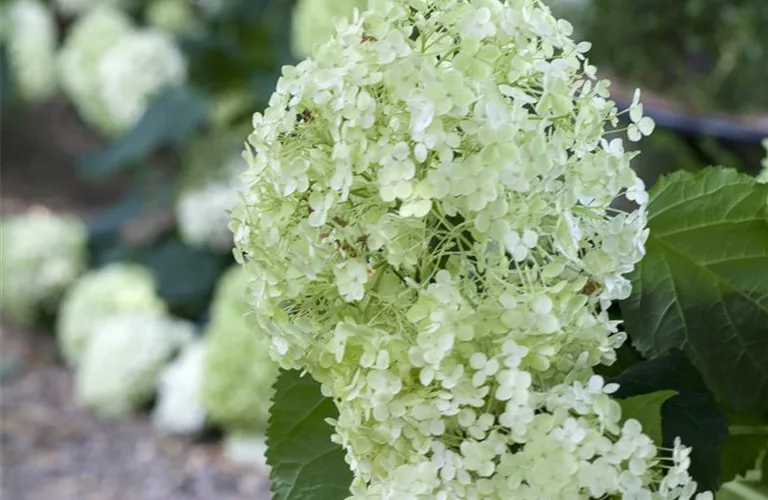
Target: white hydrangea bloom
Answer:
pixel 246 448
pixel 203 212
pixel 428 228
pixel 117 289
pixel 35 275
pixel 173 16
pixel 135 70
pixel 313 22
pixel 88 40
pixel 31 37
pixel 81 7
pixel 179 409
pixel 122 361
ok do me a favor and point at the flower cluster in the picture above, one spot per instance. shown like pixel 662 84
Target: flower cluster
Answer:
pixel 202 211
pixel 427 223
pixel 30 34
pixel 115 290
pixel 172 16
pixel 313 22
pixel 238 372
pixel 122 361
pixel 111 70
pixel 72 8
pixel 34 276
pixel 179 409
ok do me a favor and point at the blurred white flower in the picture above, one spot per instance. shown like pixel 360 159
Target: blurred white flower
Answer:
pixel 33 274
pixel 79 7
pixel 135 70
pixel 115 290
pixel 179 409
pixel 173 16
pixel 203 212
pixel 88 40
pixel 121 364
pixel 31 36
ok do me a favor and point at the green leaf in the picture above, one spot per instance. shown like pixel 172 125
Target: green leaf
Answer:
pixel 703 284
pixel 743 490
pixel 169 119
pixel 747 441
pixel 305 463
pixel 692 414
pixel 186 276
pixel 646 409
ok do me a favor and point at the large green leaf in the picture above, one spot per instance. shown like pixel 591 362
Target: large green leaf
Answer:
pixel 169 119
pixel 305 463
pixel 747 441
pixel 692 414
pixel 646 409
pixel 703 284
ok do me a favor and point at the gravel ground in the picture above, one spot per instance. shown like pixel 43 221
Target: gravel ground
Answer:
pixel 54 450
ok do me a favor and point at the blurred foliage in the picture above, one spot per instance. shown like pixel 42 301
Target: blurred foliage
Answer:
pixel 708 54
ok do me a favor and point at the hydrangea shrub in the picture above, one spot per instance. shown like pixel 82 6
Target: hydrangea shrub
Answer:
pixel 428 228
pixel 115 290
pixel 123 360
pixel 31 35
pixel 35 276
pixel 238 373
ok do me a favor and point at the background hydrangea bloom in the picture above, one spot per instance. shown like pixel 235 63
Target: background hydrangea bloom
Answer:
pixel 136 69
pixel 31 36
pixel 80 7
pixel 33 275
pixel 122 361
pixel 313 21
pixel 115 290
pixel 179 409
pixel 173 16
pixel 89 39
pixel 428 228
pixel 203 207
pixel 239 374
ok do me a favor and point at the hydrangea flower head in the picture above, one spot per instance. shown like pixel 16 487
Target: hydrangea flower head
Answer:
pixel 179 409
pixel 35 276
pixel 428 228
pixel 121 363
pixel 238 371
pixel 173 16
pixel 91 36
pixel 135 70
pixel 115 290
pixel 203 207
pixel 31 36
